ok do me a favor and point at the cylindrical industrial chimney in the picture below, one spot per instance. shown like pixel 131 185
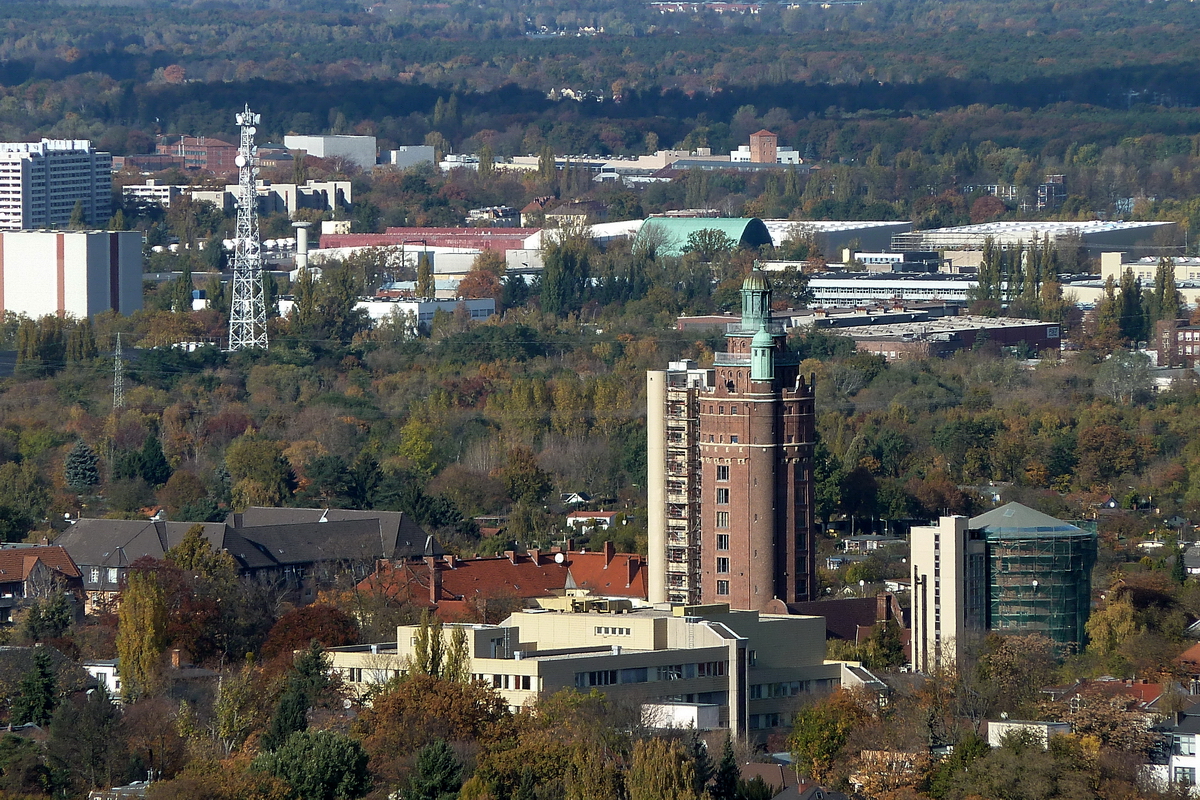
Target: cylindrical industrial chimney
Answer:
pixel 301 243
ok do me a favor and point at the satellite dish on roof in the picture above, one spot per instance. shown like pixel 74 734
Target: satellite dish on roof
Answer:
pixel 559 558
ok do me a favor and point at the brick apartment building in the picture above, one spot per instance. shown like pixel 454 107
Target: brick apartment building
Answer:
pixel 201 152
pixel 730 465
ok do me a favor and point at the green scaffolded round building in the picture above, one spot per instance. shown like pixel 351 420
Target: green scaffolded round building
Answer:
pixel 1039 573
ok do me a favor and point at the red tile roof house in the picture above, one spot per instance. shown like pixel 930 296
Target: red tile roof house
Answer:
pixel 482 589
pixel 28 572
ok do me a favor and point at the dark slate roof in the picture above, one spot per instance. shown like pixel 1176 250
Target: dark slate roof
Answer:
pixel 1191 557
pixel 119 542
pixel 310 542
pixel 282 537
pixel 842 617
pixel 400 536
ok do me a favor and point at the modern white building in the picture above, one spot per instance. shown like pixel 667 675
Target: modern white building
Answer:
pixel 70 273
pixel 1113 265
pixel 419 313
pixel 41 182
pixel 783 155
pixel 411 155
pixel 741 670
pixel 359 150
pixel 856 289
pixel 948 574
pixel 154 192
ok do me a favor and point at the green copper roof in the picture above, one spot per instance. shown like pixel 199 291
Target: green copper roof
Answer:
pixel 673 232
pixel 1016 519
pixel 763 339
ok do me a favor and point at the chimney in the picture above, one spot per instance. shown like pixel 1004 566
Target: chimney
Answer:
pixel 570 545
pixel 435 580
pixel 883 609
pixel 511 555
pixel 176 658
pixel 632 563
pixel 535 555
pixel 451 560
pixel 610 550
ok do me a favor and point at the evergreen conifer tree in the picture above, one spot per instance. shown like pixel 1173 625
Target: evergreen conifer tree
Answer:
pixel 725 782
pixel 82 468
pixel 438 775
pixel 155 469
pixel 38 693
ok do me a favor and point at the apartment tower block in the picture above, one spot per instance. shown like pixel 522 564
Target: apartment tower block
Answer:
pixel 730 470
pixel 42 182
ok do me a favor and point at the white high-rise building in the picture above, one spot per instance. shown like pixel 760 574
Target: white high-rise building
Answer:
pixel 70 273
pixel 949 592
pixel 40 183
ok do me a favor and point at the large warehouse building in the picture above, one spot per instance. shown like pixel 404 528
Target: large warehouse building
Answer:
pixel 70 273
pixel 1097 236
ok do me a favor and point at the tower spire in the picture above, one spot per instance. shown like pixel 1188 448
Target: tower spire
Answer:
pixel 248 310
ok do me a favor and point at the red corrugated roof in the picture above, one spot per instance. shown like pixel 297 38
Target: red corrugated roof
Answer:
pixel 17 562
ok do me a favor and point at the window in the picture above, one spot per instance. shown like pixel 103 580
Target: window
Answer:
pixel 525 682
pixel 1185 744
pixel 112 574
pixel 722 472
pixel 722 497
pixel 733 439
pixel 723 587
pixel 605 630
pixel 710 669
pixel 721 409
pixel 752 657
pixel 722 538
pixel 670 673
pixel 722 565
pixel 95 574
pixel 733 409
pixel 635 675
pixel 1185 776
pixel 603 677
pixel 723 522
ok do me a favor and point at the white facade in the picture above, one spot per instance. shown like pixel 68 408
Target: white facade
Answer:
pixel 868 289
pixel 359 150
pixel 154 192
pixel 783 155
pixel 750 667
pixel 411 155
pixel 948 571
pixel 107 673
pixel 416 312
pixel 70 273
pixel 40 183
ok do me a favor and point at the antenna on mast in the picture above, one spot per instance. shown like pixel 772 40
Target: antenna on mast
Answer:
pixel 248 310
pixel 118 377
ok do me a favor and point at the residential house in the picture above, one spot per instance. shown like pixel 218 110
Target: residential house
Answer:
pixel 299 549
pixel 29 572
pixel 998 729
pixel 596 520
pixel 1180 759
pixel 491 588
pixel 854 619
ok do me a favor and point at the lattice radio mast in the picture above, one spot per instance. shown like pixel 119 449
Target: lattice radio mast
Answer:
pixel 248 310
pixel 118 377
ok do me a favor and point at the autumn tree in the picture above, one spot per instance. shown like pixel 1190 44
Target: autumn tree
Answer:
pixel 821 730
pixel 428 646
pixel 660 769
pixel 141 632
